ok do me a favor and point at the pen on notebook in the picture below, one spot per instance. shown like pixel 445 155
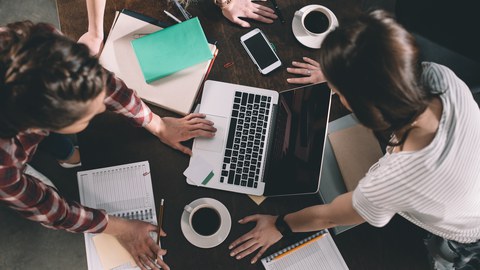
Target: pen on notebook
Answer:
pixel 159 221
pixel 171 16
pixel 278 11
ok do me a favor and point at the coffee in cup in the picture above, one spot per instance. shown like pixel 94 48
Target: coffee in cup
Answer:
pixel 204 219
pixel 316 20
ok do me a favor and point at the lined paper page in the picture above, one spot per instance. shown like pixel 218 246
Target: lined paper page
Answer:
pixel 124 191
pixel 319 254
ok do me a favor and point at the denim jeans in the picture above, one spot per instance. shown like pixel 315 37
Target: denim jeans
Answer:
pixel 60 146
pixel 448 254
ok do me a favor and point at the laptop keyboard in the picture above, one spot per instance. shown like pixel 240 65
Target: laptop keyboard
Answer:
pixel 246 140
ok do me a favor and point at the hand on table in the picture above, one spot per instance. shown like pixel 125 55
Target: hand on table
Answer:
pixel 246 9
pixel 93 42
pixel 172 131
pixel 134 236
pixel 310 69
pixel 261 237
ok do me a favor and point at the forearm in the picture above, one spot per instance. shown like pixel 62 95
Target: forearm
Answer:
pixel 156 125
pixel 41 203
pixel 123 100
pixel 115 226
pixel 339 212
pixel 96 10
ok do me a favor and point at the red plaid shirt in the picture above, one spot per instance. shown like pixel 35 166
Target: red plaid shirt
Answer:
pixel 38 202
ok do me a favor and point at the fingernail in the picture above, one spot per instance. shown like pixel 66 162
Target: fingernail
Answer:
pixel 230 247
pixel 240 220
pixel 294 62
pixel 288 80
pixel 238 257
pixel 232 254
pixel 253 261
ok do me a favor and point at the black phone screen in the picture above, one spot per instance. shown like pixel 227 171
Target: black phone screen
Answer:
pixel 261 50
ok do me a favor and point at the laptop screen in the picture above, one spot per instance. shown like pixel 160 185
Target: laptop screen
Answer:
pixel 296 148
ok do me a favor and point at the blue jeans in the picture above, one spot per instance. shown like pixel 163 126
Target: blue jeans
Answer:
pixel 60 146
pixel 448 254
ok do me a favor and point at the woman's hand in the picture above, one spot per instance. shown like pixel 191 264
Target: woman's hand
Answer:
pixel 134 236
pixel 310 70
pixel 246 9
pixel 261 237
pixel 172 131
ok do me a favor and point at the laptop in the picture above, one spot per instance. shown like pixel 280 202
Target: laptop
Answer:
pixel 267 142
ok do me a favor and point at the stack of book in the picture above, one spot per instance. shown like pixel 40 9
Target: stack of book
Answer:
pixel 134 50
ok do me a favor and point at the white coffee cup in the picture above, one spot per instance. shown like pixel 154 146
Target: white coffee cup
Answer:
pixel 204 219
pixel 316 20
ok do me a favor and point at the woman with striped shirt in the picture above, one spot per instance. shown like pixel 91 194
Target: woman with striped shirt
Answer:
pixel 430 173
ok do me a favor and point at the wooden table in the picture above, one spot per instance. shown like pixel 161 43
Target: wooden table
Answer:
pixel 110 140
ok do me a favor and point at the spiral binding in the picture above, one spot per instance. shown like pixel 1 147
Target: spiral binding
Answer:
pixel 145 214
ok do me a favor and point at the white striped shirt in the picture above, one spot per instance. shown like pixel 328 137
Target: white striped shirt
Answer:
pixel 437 187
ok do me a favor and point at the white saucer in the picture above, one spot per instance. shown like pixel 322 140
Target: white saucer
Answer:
pixel 307 39
pixel 214 239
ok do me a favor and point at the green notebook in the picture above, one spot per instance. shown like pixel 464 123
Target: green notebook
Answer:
pixel 172 49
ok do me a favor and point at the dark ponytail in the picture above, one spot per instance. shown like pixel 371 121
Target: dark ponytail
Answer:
pixel 374 63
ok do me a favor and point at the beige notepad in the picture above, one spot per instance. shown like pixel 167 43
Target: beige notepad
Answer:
pixel 176 92
pixel 356 149
pixel 112 254
pixel 257 199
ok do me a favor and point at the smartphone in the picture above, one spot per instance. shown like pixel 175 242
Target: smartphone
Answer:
pixel 258 47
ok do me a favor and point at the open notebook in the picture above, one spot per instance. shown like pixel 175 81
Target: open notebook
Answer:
pixel 176 92
pixel 123 191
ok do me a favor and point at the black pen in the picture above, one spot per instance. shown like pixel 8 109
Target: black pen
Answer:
pixel 277 11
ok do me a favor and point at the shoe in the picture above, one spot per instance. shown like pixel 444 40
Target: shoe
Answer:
pixel 70 165
pixel 32 172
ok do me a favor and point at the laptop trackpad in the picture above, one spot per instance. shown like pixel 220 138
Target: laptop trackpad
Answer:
pixel 216 143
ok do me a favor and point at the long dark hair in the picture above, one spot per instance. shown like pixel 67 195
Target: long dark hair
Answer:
pixel 374 63
pixel 46 79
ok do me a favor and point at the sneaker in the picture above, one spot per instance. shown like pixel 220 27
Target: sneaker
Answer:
pixel 32 172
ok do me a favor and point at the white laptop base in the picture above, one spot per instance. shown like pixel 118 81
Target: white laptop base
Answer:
pixel 217 102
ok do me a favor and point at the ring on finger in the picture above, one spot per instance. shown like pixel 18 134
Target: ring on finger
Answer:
pixel 308 72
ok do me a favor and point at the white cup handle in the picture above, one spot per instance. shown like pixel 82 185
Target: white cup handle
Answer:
pixel 188 208
pixel 299 14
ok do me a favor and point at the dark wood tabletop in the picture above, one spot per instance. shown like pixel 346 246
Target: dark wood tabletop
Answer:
pixel 110 140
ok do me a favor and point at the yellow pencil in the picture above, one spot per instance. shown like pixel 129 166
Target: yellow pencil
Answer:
pixel 299 246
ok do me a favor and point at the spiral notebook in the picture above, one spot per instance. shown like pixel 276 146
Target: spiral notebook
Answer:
pixel 123 191
pixel 316 252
